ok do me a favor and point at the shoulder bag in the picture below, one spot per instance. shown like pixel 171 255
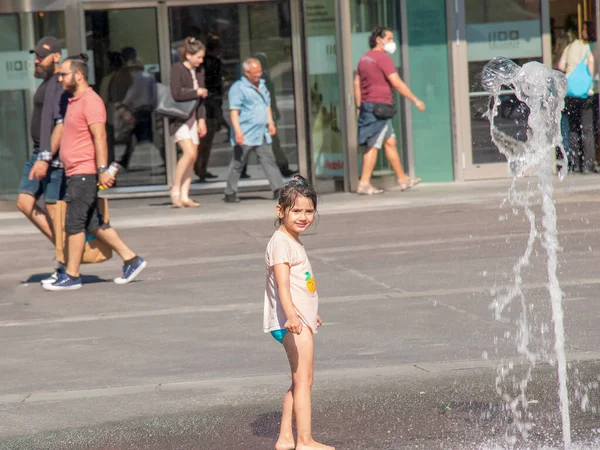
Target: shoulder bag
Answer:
pixel 167 106
pixel 579 81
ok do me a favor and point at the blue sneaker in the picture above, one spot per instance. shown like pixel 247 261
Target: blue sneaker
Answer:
pixel 130 271
pixel 64 282
pixel 52 278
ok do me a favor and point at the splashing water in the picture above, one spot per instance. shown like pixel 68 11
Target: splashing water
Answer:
pixel 543 91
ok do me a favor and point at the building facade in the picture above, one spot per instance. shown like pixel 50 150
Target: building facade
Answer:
pixel 309 50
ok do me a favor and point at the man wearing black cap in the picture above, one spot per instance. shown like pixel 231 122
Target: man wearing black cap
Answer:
pixel 44 173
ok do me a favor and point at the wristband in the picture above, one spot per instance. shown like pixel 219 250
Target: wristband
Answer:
pixel 45 156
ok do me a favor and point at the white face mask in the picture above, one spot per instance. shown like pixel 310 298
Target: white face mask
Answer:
pixel 390 47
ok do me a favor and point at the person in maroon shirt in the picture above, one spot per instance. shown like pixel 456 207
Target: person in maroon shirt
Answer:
pixel 375 77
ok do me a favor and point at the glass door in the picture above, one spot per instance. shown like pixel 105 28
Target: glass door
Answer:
pixel 19 33
pixel 123 45
pixel 233 32
pixel 509 28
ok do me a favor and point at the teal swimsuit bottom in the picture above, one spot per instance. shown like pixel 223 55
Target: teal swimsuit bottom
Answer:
pixel 279 334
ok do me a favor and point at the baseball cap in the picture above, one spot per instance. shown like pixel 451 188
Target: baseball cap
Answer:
pixel 46 46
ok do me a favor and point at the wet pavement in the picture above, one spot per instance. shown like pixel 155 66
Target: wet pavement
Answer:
pixel 407 356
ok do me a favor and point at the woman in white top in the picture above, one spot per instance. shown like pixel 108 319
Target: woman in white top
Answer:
pixel 579 111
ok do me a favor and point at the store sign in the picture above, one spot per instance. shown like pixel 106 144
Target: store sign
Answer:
pixel 522 39
pixel 17 70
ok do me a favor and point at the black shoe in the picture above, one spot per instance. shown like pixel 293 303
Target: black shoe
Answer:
pixel 231 198
pixel 276 194
pixel 209 175
pixel 287 172
pixel 244 175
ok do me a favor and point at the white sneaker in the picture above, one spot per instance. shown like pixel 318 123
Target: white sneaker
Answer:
pixel 52 278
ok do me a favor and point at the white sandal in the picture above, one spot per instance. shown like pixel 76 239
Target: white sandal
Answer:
pixel 368 190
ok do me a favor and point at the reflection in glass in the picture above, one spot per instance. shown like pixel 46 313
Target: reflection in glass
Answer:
pixel 232 33
pixel 512 116
pixel 126 70
pixel 323 78
pixel 509 28
pixel 18 34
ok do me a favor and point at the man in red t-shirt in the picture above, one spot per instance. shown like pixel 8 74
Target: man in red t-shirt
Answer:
pixel 84 153
pixel 376 76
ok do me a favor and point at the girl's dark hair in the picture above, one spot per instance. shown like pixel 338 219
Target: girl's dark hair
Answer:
pixel 377 32
pixel 190 45
pixel 291 190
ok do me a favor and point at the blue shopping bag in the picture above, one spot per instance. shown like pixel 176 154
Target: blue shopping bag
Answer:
pixel 579 80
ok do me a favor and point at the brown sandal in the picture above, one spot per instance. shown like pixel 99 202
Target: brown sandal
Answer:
pixel 368 190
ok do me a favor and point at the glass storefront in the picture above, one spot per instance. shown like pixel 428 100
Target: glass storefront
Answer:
pixel 511 28
pixel 18 34
pixel 133 44
pixel 126 69
pixel 232 33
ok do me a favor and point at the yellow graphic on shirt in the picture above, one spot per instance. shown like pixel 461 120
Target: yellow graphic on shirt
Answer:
pixel 310 282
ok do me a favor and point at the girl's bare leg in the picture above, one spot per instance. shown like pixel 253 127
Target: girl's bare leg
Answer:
pixel 187 182
pixel 286 436
pixel 183 171
pixel 300 352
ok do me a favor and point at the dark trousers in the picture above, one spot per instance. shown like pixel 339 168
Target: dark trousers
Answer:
pixel 266 160
pixel 582 137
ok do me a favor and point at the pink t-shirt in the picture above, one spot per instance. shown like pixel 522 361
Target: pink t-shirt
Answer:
pixel 282 249
pixel 77 151
pixel 373 69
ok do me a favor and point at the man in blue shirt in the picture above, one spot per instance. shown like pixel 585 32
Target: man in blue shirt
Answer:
pixel 252 127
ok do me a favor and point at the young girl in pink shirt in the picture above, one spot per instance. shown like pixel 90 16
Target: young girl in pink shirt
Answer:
pixel 291 305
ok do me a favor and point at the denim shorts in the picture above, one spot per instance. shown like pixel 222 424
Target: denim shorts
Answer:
pixel 53 185
pixel 82 204
pixel 378 140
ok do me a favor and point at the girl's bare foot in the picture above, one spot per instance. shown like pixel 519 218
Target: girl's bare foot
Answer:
pixel 285 443
pixel 314 445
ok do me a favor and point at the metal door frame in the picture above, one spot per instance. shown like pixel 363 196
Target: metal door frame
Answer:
pixel 464 169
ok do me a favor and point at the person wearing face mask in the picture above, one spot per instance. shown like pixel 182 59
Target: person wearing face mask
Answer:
pixel 44 172
pixel 375 78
